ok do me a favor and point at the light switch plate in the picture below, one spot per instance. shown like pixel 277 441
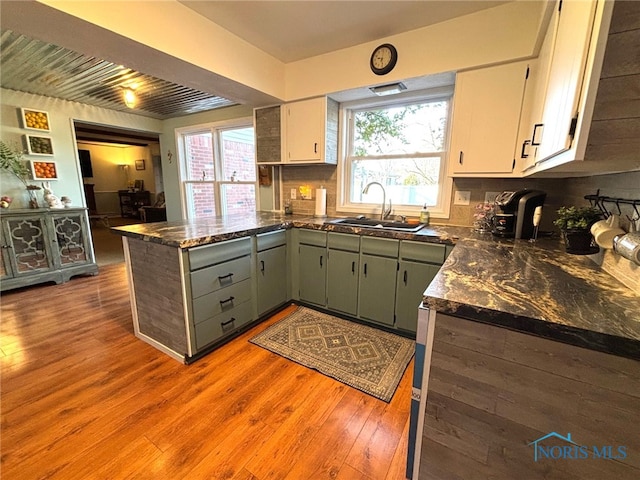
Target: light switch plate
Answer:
pixel 462 198
pixel 294 193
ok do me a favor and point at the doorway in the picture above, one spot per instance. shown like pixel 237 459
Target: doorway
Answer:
pixel 117 165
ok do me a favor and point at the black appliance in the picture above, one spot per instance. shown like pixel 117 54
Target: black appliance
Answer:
pixel 514 213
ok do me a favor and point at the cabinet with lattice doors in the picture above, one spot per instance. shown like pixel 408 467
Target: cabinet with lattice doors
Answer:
pixel 45 246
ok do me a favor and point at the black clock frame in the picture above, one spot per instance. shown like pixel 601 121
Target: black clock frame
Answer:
pixel 392 63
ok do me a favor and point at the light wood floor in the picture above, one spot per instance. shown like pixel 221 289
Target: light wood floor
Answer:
pixel 82 398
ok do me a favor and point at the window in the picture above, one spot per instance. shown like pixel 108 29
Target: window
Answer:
pixel 401 145
pixel 218 170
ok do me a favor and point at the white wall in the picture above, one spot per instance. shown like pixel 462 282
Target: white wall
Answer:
pixel 61 116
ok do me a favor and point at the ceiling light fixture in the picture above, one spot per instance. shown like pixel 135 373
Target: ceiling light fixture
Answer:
pixel 388 89
pixel 130 98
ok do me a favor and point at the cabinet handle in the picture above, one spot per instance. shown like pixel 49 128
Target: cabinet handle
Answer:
pixel 230 299
pixel 524 147
pixel 222 277
pixel 405 277
pixel 6 246
pixel 365 268
pixel 533 137
pixel 262 266
pixel 353 267
pixel 321 261
pixel 461 158
pixel 224 324
pixel 315 148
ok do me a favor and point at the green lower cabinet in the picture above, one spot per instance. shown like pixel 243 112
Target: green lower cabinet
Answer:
pixel 272 278
pixel 312 274
pixel 342 281
pixel 413 279
pixel 377 293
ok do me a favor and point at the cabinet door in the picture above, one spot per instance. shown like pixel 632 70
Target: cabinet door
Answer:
pixel 268 142
pixel 5 262
pixel 486 116
pixel 272 278
pixel 377 288
pixel 413 279
pixel 342 281
pixel 305 124
pixel 28 245
pixel 312 276
pixel 569 55
pixel 71 245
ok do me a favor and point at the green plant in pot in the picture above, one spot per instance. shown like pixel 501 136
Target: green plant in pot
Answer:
pixel 12 161
pixel 575 224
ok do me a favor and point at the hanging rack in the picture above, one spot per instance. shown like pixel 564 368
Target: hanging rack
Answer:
pixel 597 200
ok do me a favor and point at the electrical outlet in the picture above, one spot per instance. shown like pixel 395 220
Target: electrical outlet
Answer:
pixel 462 198
pixel 294 193
pixel 490 197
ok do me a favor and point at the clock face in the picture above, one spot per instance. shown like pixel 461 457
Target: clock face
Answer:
pixel 383 59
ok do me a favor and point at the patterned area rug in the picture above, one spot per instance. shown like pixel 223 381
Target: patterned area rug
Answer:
pixel 363 357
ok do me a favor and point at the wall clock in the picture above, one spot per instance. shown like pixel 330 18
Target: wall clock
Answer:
pixel 383 59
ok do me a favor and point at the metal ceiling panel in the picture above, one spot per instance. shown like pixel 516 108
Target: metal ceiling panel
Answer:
pixel 40 68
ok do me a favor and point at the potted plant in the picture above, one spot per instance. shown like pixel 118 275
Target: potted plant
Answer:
pixel 11 161
pixel 575 224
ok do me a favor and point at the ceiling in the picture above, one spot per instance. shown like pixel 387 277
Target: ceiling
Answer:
pixel 288 30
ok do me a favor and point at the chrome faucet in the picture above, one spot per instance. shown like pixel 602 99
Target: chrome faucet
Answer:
pixel 383 213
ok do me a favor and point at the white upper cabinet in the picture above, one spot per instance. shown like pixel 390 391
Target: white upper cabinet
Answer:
pixel 570 47
pixel 310 130
pixel 583 121
pixel 486 116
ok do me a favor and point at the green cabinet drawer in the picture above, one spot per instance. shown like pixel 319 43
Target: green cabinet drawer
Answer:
pixel 200 257
pixel 384 247
pixel 265 241
pixel 221 300
pixel 423 252
pixel 312 237
pixel 217 327
pixel 343 241
pixel 219 276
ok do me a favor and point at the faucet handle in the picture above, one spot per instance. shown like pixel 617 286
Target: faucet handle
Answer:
pixel 386 213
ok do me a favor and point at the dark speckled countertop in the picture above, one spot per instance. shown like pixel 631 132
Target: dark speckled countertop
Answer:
pixel 540 289
pixel 530 287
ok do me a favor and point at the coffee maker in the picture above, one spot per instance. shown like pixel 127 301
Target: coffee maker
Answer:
pixel 514 213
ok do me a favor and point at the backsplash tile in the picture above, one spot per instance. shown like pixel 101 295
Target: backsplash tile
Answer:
pixel 560 192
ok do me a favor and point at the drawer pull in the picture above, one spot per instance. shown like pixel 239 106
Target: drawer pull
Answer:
pixel 321 261
pixel 224 324
pixel 353 267
pixel 230 299
pixel 262 266
pixel 405 277
pixel 365 269
pixel 223 277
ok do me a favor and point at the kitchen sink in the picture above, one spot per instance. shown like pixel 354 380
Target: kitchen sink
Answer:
pixel 380 224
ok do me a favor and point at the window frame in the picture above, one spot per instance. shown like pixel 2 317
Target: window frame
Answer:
pixel 215 128
pixel 443 206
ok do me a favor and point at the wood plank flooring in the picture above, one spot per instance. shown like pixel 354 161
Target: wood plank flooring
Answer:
pixel 83 398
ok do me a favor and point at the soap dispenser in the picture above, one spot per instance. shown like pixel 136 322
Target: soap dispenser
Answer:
pixel 425 216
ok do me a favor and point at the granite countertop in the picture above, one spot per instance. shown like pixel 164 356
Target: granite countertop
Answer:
pixel 529 287
pixel 188 234
pixel 540 289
